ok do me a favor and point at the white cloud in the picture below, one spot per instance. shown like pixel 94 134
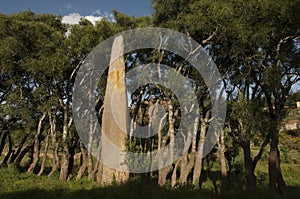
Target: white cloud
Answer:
pixel 74 18
pixel 93 19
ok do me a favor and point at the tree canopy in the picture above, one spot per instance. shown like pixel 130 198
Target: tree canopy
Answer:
pixel 254 44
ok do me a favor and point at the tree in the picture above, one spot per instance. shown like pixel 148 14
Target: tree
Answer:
pixel 246 40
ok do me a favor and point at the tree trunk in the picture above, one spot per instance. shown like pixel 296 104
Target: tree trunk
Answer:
pixel 199 154
pixel 90 165
pixel 65 162
pixel 18 151
pixel 174 174
pixel 22 154
pixel 187 163
pixel 55 145
pixel 275 175
pixel 84 162
pixel 36 145
pixel 95 170
pixel 188 160
pixel 163 172
pixel 44 155
pixel 224 184
pixel 100 172
pixel 162 175
pixel 2 143
pixel 66 153
pixel 72 148
pixel 4 162
pixel 249 169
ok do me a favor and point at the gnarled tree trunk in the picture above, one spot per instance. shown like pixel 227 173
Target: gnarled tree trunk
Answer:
pixel 44 155
pixel 36 145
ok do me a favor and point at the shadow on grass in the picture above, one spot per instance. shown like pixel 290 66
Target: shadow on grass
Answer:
pixel 137 190
pixel 129 190
pixel 15 184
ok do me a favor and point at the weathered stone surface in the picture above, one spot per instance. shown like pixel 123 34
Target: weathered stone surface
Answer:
pixel 114 120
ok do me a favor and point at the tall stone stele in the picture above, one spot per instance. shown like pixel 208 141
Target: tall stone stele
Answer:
pixel 114 119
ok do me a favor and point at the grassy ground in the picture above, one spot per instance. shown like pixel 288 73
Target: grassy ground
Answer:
pixel 16 185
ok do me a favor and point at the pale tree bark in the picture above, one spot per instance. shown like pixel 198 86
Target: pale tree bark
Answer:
pixel 199 153
pixel 174 174
pixel 66 154
pixel 55 145
pixel 99 173
pixel 187 163
pixel 36 145
pixel 44 155
pixel 188 159
pixel 90 151
pixel 163 172
pixel 221 143
pixel 83 166
pixel 162 175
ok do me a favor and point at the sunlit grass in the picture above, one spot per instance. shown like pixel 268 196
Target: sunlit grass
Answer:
pixel 14 185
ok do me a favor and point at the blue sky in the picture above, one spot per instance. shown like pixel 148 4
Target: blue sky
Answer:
pixel 82 7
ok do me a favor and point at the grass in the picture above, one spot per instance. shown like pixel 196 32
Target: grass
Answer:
pixel 14 185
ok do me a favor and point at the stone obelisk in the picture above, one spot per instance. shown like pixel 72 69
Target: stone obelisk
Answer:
pixel 114 119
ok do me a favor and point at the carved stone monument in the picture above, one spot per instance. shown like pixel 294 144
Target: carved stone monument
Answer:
pixel 114 119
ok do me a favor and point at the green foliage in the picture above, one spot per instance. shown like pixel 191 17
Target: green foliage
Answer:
pixel 254 44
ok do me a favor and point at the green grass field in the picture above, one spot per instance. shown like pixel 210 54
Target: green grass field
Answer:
pixel 14 184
